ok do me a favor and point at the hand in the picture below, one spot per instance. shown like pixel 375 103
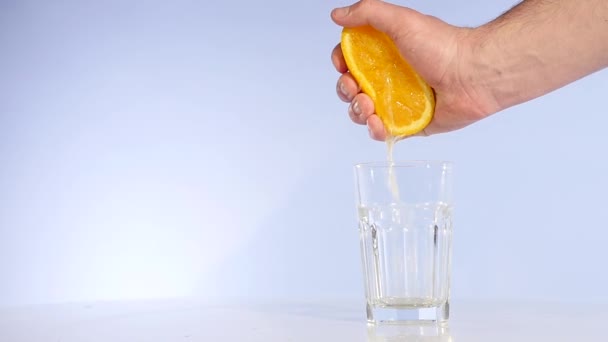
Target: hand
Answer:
pixel 439 52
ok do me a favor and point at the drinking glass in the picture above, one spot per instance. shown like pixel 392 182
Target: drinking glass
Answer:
pixel 405 226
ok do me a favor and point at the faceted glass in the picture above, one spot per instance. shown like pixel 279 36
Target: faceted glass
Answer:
pixel 405 226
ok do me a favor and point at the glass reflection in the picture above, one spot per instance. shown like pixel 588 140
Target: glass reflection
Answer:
pixel 408 333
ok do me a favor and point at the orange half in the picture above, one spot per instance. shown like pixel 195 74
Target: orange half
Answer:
pixel 403 100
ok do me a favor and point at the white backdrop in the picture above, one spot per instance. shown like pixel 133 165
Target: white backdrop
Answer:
pixel 160 149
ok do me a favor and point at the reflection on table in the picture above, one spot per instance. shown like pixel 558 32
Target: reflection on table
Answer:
pixel 408 333
pixel 192 321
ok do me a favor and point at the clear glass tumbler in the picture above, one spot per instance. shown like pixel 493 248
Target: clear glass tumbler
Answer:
pixel 405 226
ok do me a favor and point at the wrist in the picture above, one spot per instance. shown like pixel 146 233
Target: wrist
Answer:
pixel 503 76
pixel 479 71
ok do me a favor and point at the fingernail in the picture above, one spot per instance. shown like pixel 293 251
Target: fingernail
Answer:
pixel 356 108
pixel 341 12
pixel 343 90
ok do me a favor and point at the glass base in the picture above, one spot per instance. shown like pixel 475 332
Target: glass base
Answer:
pixel 408 315
pixel 408 332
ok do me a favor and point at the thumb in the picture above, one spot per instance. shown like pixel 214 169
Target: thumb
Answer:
pixel 383 16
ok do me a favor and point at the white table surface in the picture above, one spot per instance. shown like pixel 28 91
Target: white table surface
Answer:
pixel 182 320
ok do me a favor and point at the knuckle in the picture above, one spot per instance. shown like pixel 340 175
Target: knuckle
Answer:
pixel 363 5
pixel 366 3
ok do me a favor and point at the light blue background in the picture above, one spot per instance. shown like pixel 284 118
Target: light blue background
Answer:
pixel 153 149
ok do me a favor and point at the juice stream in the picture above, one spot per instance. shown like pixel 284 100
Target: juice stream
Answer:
pixel 392 178
pixel 390 142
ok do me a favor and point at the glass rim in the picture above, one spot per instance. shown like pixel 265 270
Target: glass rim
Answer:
pixel 404 164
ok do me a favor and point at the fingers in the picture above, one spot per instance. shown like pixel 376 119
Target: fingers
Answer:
pixel 376 128
pixel 337 58
pixel 383 16
pixel 361 108
pixel 347 88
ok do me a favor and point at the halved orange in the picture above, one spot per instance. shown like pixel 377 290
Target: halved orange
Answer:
pixel 403 100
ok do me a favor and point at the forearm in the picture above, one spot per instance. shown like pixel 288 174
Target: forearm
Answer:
pixel 537 47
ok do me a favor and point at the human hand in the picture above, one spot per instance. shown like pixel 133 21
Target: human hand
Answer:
pixel 439 52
